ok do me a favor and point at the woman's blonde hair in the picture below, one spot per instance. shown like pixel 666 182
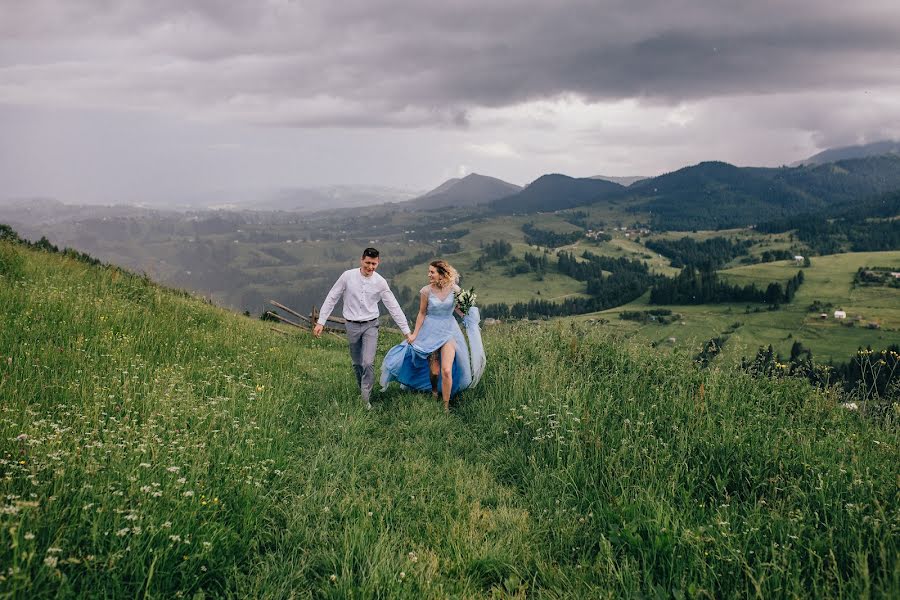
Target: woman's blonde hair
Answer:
pixel 448 275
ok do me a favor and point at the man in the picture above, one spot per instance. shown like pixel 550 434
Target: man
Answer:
pixel 361 289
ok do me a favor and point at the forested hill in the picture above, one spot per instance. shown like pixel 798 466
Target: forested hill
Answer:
pixel 155 446
pixel 556 192
pixel 715 195
pixel 718 195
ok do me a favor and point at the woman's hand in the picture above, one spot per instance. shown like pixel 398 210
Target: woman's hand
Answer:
pixel 410 337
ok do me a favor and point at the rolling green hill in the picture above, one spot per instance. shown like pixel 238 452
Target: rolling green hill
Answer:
pixel 156 446
pixel 828 281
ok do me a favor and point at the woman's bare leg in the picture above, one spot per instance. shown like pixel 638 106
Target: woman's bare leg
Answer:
pixel 434 366
pixel 448 353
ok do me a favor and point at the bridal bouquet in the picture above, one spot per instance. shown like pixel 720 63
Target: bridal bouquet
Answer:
pixel 466 300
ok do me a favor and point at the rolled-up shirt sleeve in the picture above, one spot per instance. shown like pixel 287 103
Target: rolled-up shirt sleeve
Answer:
pixel 337 290
pixel 390 302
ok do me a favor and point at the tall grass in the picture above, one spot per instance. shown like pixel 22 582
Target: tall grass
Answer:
pixel 154 446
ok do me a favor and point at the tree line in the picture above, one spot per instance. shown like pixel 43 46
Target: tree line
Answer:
pixel 550 239
pixel 703 286
pixel 709 254
pixel 627 280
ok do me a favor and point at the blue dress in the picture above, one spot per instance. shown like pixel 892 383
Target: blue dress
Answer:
pixel 408 363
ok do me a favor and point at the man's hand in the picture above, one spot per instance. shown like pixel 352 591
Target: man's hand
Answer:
pixel 410 338
pixel 317 330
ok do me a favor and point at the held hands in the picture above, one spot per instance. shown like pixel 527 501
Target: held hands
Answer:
pixel 317 330
pixel 410 338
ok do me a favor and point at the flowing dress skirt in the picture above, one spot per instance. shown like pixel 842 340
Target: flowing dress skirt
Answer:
pixel 408 363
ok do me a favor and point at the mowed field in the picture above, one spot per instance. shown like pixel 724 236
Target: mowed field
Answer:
pixel 828 280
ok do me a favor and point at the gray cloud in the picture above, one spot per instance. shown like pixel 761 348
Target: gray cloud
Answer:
pixel 406 63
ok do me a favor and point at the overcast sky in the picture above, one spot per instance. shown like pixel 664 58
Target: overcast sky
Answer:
pixel 164 100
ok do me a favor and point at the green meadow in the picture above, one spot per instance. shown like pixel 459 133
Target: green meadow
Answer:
pixel 829 280
pixel 155 446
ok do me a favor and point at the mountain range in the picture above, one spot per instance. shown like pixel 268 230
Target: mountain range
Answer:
pixel 845 152
pixel 716 194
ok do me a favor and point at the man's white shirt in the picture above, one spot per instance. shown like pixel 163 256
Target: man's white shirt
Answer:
pixel 361 296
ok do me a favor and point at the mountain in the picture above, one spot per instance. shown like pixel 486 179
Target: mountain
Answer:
pixel 714 194
pixel 471 190
pixel 327 198
pixel 719 195
pixel 556 192
pixel 626 181
pixel 847 152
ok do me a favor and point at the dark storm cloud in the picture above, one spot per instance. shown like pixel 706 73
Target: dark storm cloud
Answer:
pixel 408 63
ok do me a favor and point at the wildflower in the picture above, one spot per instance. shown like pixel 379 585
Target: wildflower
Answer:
pixel 188 494
pixel 167 525
pixel 402 575
pixel 413 557
pixel 182 480
pixel 173 469
pixel 333 578
pixel 175 538
pixel 22 437
pixel 123 532
pixel 145 465
pixel 850 405
pixel 29 536
pixel 51 561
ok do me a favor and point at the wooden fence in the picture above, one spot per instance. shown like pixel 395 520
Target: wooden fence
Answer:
pixel 308 322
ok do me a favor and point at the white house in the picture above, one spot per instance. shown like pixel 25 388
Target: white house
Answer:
pixel 839 314
pixel 798 259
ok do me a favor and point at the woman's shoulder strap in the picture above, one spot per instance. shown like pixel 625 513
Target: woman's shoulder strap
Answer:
pixel 425 290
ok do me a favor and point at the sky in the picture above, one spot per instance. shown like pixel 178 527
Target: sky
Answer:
pixel 114 101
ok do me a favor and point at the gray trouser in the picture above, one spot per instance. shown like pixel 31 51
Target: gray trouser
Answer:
pixel 363 338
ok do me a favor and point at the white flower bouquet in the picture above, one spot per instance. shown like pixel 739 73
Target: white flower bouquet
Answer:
pixel 465 300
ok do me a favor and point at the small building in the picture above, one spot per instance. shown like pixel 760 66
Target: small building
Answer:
pixel 895 274
pixel 798 259
pixel 839 314
pixel 823 316
pixel 491 321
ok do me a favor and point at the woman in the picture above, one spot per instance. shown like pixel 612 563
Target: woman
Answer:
pixel 437 356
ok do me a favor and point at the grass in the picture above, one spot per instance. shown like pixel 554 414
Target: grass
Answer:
pixel 155 446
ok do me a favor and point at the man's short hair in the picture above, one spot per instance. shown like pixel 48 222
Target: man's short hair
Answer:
pixel 370 253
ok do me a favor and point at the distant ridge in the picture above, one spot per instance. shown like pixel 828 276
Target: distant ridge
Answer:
pixel 553 192
pixel 626 181
pixel 471 190
pixel 718 194
pixel 848 152
pixel 326 198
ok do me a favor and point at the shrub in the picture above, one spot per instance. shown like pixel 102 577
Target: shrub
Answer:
pixel 12 265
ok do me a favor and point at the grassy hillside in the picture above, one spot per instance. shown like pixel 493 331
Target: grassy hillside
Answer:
pixel 155 446
pixel 829 280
